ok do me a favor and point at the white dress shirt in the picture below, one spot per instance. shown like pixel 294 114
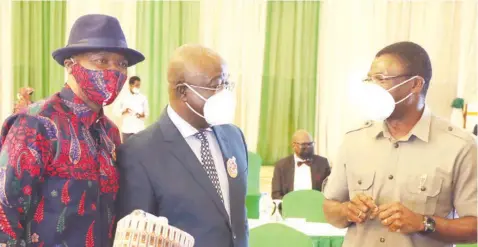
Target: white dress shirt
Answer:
pixel 302 175
pixel 138 103
pixel 188 131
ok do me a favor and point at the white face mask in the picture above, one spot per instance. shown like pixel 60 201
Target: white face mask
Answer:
pixel 219 108
pixel 376 103
pixel 135 90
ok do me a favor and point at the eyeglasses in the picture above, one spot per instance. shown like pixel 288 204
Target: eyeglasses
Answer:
pixel 381 77
pixel 226 85
pixel 305 144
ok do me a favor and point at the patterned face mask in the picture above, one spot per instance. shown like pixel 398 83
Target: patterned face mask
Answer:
pixel 100 86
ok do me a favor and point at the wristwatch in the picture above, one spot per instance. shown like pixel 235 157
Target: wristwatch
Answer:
pixel 429 224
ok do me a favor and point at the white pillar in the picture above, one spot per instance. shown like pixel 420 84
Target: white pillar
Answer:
pixel 6 76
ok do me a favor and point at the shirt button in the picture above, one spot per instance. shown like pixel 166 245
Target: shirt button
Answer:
pixel 390 177
pixel 382 240
pixel 423 188
pixel 359 182
pixel 450 128
pixel 395 145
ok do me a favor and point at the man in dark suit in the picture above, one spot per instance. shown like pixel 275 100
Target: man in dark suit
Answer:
pixel 301 171
pixel 191 166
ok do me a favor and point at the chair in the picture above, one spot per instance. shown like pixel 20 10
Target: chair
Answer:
pixel 252 205
pixel 254 173
pixel 253 185
pixel 278 235
pixel 466 245
pixel 304 204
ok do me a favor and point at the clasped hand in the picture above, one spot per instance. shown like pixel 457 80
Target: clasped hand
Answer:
pixel 394 216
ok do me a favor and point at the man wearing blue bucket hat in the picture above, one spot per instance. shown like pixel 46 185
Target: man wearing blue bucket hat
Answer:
pixel 58 179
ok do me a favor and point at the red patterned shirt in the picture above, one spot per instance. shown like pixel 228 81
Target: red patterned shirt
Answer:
pixel 58 179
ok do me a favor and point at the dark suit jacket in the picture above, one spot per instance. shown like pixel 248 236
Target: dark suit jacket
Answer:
pixel 283 179
pixel 160 174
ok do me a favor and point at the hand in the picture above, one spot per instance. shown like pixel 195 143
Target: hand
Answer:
pixel 398 218
pixel 358 209
pixel 127 111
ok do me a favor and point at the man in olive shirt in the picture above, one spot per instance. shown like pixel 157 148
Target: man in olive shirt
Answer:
pixel 410 179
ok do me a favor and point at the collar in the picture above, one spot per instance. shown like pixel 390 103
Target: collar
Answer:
pixel 76 106
pixel 421 130
pixel 184 127
pixel 297 159
pixel 134 94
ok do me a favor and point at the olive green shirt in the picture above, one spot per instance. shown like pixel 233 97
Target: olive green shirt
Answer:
pixel 432 171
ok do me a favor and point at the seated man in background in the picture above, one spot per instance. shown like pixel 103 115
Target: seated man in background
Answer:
pixel 133 108
pixel 301 171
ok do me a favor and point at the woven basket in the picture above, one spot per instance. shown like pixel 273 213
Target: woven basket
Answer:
pixel 141 229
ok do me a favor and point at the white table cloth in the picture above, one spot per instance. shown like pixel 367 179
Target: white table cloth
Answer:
pixel 309 228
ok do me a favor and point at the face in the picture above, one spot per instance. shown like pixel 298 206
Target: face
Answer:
pixel 100 76
pixel 136 84
pixel 28 96
pixel 100 60
pixel 206 84
pixel 26 92
pixel 304 146
pixel 388 71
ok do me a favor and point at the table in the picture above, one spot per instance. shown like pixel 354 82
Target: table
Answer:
pixel 322 234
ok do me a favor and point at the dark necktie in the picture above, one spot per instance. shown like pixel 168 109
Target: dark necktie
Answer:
pixel 208 162
pixel 306 162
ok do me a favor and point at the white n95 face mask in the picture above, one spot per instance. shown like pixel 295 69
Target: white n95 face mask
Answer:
pixel 376 103
pixel 135 90
pixel 219 108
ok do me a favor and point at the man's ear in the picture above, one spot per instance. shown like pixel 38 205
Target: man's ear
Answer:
pixel 418 84
pixel 181 91
pixel 68 63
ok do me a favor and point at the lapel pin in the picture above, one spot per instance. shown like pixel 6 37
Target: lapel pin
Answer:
pixel 232 167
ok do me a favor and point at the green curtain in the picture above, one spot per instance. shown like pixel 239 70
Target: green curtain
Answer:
pixel 38 29
pixel 288 99
pixel 162 26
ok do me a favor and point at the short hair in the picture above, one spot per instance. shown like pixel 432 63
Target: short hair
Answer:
pixel 415 57
pixel 133 79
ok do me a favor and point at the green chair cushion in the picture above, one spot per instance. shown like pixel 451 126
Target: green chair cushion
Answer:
pixel 278 235
pixel 304 204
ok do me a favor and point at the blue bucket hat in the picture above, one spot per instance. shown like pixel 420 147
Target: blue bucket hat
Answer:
pixel 97 33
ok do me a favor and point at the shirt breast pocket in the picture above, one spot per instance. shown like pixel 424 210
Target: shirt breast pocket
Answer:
pixel 361 183
pixel 420 193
